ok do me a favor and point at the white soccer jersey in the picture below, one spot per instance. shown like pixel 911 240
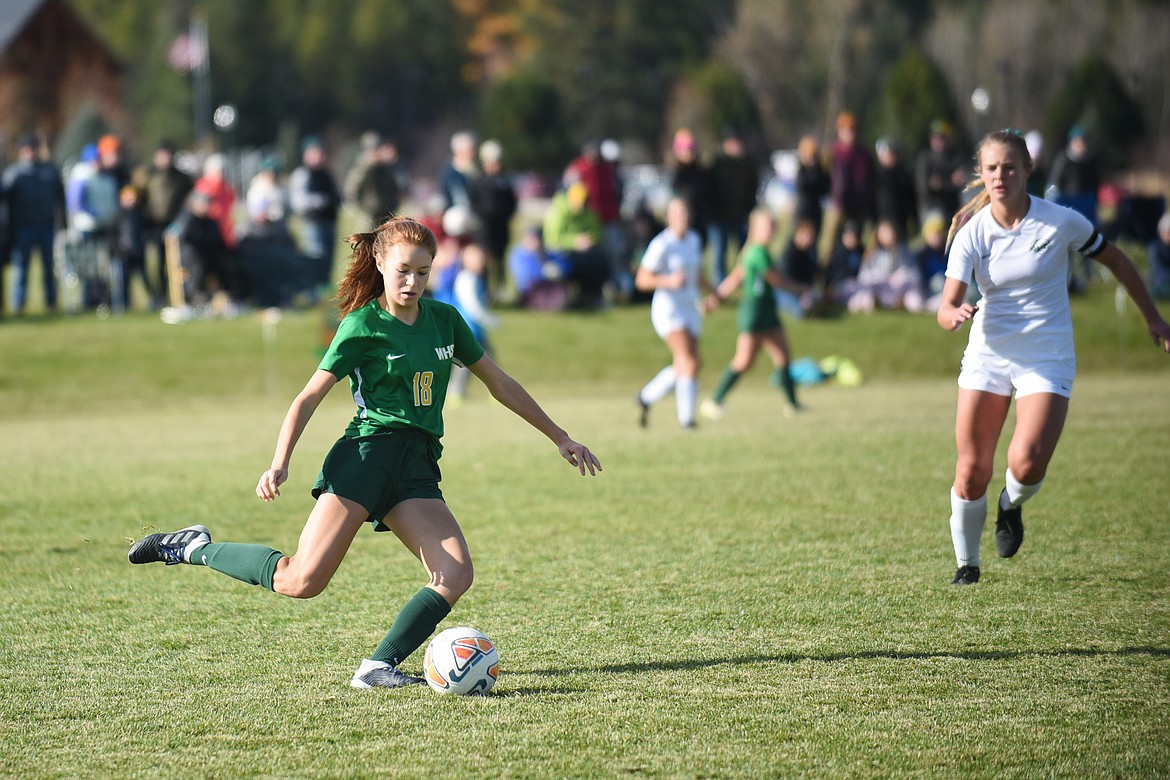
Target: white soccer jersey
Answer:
pixel 667 253
pixel 1023 275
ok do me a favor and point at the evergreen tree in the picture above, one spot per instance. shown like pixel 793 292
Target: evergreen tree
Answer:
pixel 524 113
pixel 914 93
pixel 1095 98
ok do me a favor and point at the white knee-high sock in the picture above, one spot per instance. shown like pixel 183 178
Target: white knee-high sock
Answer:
pixel 658 387
pixel 1017 492
pixel 967 519
pixel 686 394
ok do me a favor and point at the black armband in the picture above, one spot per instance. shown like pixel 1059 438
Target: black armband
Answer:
pixel 1094 246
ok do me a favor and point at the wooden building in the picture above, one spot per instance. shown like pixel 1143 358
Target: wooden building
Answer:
pixel 54 70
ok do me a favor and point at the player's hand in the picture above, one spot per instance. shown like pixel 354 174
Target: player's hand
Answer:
pixel 954 319
pixel 268 487
pixel 579 455
pixel 1160 332
pixel 711 303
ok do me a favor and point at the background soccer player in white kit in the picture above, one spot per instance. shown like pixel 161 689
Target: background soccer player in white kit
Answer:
pixel 672 267
pixel 1017 248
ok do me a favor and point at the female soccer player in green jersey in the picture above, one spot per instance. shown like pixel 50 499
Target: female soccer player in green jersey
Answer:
pixel 397 349
pixel 758 321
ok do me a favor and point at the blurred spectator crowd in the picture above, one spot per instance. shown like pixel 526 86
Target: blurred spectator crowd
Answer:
pixel 193 236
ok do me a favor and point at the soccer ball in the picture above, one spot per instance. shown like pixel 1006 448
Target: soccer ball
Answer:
pixel 461 660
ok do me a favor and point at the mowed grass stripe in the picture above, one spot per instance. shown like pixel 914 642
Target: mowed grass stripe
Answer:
pixel 762 597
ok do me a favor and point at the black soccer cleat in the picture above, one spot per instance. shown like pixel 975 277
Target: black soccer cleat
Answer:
pixel 169 548
pixel 1009 529
pixel 379 674
pixel 643 412
pixel 966 575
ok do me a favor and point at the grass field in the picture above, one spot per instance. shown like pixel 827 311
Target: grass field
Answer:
pixel 763 597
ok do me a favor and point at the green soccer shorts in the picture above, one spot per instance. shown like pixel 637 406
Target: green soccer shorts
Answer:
pixel 381 471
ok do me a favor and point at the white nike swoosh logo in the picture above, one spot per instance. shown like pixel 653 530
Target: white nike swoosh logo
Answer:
pixel 395 357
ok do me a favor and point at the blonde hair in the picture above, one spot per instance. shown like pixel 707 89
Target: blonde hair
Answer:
pixel 363 282
pixel 760 215
pixel 1009 137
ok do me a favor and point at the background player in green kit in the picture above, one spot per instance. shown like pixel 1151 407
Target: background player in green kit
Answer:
pixel 759 322
pixel 397 349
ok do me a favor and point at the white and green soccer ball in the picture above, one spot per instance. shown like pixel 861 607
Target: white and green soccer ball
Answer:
pixel 461 661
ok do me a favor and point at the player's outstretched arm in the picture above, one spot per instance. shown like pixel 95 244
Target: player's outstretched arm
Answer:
pixel 1128 276
pixel 730 283
pixel 294 424
pixel 512 395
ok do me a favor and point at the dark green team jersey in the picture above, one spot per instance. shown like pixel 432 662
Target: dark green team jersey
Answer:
pixel 757 304
pixel 398 373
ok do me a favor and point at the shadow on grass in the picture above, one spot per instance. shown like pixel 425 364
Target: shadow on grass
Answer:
pixel 792 658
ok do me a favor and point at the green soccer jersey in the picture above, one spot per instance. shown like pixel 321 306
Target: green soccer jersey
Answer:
pixel 757 305
pixel 398 373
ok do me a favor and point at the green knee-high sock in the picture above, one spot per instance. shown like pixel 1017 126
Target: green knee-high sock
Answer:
pixel 254 564
pixel 726 381
pixel 414 624
pixel 783 377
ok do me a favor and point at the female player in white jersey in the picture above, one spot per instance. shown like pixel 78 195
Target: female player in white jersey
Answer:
pixel 1017 249
pixel 397 348
pixel 672 268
